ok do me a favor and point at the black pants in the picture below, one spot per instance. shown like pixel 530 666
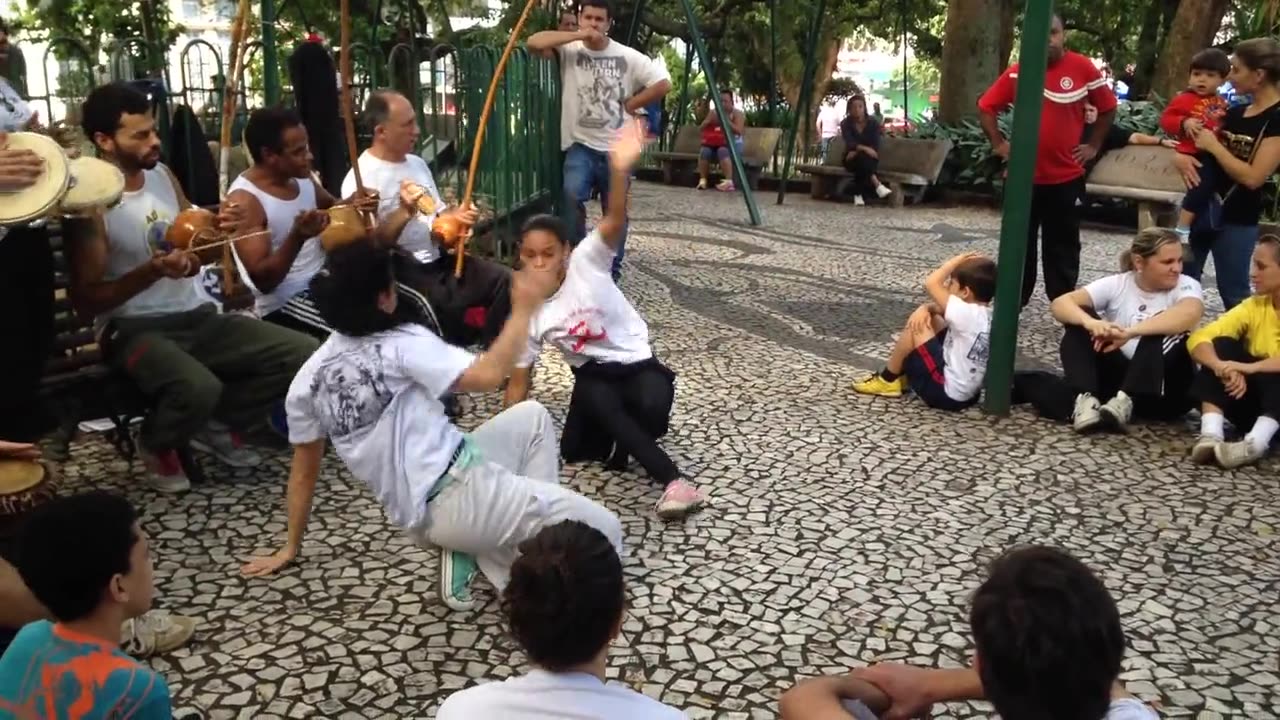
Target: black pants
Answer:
pixel 863 167
pixel 469 310
pixel 1055 219
pixel 627 405
pixel 1262 393
pixel 26 325
pixel 1156 378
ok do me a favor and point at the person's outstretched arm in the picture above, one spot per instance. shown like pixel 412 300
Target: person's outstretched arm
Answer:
pixel 826 698
pixel 304 471
pixel 623 155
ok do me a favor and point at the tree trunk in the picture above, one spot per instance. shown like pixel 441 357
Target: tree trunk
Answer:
pixel 1179 45
pixel 971 47
pixel 828 56
pixel 1206 33
pixel 1008 23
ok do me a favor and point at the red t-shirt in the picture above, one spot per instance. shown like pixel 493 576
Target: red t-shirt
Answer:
pixel 1067 84
pixel 1186 105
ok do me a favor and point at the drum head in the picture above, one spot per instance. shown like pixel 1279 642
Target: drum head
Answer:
pixel 19 476
pixel 94 184
pixel 38 200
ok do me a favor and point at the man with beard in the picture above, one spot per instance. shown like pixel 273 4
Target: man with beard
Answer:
pixel 192 362
pixel 470 309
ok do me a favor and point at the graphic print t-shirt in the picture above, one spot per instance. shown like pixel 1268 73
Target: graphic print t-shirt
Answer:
pixel 1118 299
pixel 965 348
pixel 51 673
pixel 589 318
pixel 378 399
pixel 1239 134
pixel 596 86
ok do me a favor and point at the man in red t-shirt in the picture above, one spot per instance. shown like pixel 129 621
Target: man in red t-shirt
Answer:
pixel 1070 82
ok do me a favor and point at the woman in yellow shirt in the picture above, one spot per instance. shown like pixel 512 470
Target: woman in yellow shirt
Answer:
pixel 1239 377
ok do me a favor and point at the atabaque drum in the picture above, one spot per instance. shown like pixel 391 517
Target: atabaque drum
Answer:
pixel 24 485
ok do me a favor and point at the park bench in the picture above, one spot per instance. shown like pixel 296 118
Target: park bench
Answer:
pixel 907 165
pixel 77 384
pixel 680 163
pixel 1141 173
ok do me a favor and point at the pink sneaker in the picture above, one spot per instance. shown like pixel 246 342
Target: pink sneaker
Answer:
pixel 164 472
pixel 726 186
pixel 680 498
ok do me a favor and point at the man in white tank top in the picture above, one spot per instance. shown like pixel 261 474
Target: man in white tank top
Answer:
pixel 195 364
pixel 470 309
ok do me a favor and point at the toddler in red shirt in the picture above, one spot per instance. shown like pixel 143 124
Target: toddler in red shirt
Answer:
pixel 1199 105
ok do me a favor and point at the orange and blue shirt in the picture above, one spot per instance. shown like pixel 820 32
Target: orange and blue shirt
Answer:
pixel 50 672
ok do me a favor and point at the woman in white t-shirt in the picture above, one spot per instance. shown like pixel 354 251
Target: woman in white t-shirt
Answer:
pixel 564 605
pixel 1125 336
pixel 374 388
pixel 622 394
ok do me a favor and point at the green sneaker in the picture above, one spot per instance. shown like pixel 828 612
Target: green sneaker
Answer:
pixel 456 572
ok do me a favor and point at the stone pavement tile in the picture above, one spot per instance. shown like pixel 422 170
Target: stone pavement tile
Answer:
pixel 845 530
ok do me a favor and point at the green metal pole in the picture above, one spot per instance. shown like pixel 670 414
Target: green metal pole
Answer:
pixel 270 62
pixel 773 73
pixel 704 60
pixel 806 89
pixel 683 111
pixel 634 28
pixel 1032 61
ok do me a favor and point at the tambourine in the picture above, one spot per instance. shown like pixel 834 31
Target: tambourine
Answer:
pixel 66 186
pixel 346 225
pixel 24 485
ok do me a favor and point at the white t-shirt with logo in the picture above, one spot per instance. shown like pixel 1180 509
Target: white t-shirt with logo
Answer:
pixel 596 86
pixel 1130 709
pixel 378 399
pixel 1118 299
pixel 15 112
pixel 589 318
pixel 542 695
pixel 384 178
pixel 966 348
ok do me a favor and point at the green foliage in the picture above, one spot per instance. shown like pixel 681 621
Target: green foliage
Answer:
pixel 841 89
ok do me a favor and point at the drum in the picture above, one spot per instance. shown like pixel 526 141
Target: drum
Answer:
pixel 345 227
pixel 24 484
pixel 193 229
pixel 42 198
pixel 94 184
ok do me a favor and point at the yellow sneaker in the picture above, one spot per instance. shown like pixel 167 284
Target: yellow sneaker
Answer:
pixel 876 385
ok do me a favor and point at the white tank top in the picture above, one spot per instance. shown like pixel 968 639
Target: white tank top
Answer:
pixel 280 216
pixel 135 231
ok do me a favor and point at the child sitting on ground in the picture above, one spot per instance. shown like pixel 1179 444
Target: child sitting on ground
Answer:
pixel 942 352
pixel 1198 107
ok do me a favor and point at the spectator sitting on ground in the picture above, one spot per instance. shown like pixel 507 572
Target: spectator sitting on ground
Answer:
pixel 564 604
pixel 85 558
pixel 715 143
pixel 862 133
pixel 1048 645
pixel 942 352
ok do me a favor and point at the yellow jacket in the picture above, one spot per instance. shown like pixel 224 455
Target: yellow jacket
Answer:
pixel 1254 321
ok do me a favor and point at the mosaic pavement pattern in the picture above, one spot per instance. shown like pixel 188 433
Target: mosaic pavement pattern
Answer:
pixel 844 531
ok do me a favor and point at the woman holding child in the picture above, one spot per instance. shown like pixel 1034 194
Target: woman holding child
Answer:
pixel 1123 336
pixel 1247 150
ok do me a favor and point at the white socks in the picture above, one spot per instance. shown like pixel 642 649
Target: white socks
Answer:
pixel 1259 438
pixel 1211 426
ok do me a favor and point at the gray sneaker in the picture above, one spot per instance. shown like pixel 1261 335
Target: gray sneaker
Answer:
pixel 1203 452
pixel 1087 415
pixel 1117 412
pixel 155 633
pixel 1237 454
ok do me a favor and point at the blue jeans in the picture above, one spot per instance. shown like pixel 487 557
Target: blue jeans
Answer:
pixel 1232 250
pixel 586 170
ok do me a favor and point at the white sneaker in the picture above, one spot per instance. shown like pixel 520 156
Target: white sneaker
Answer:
pixel 858 201
pixel 1087 415
pixel 1118 412
pixel 155 633
pixel 1204 451
pixel 164 472
pixel 883 191
pixel 1238 454
pixel 226 447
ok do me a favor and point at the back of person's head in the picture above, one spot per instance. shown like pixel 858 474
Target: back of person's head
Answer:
pixel 79 552
pixel 565 600
pixel 1146 244
pixel 265 130
pixel 1262 53
pixel 1048 637
pixel 105 105
pixel 349 289
pixel 979 275
pixel 1211 60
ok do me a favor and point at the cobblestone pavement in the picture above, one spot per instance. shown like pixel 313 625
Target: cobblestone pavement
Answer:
pixel 845 530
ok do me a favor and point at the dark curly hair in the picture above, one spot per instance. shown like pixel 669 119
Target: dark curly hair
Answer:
pixel 1048 637
pixel 346 290
pixel 546 223
pixel 566 595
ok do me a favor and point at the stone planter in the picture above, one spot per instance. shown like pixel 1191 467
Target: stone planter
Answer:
pixel 1268 229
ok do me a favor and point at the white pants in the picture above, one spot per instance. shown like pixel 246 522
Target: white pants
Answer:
pixel 509 494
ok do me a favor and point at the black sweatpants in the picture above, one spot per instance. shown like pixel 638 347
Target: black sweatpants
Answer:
pixel 627 405
pixel 26 324
pixel 1262 392
pixel 1156 377
pixel 471 309
pixel 1055 220
pixel 863 167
